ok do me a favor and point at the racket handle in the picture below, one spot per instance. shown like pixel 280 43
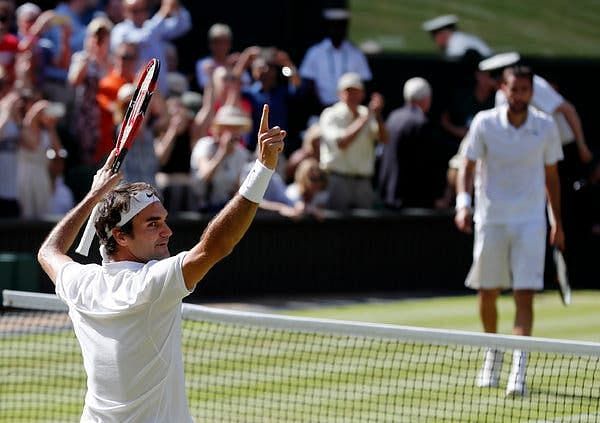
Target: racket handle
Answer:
pixel 119 160
pixel 88 233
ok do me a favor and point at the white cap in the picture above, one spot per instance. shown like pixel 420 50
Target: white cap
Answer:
pixel 98 23
pixel 439 22
pixel 232 116
pixel 219 30
pixel 192 100
pixel 350 80
pixel 336 14
pixel 177 83
pixel 55 110
pixel 416 89
pixel 125 92
pixel 27 9
pixel 499 61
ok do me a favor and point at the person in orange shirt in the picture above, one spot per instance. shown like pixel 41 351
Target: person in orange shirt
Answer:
pixel 124 71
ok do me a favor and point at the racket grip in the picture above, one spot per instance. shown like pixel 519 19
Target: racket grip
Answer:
pixel 119 160
pixel 88 233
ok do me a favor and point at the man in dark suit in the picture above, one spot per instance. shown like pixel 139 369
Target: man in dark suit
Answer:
pixel 402 181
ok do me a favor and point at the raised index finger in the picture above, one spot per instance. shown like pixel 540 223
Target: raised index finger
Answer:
pixel 264 120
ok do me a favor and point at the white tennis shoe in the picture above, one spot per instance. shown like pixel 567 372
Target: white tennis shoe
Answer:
pixel 489 375
pixel 516 386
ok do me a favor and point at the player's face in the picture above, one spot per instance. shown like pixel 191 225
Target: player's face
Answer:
pixel 518 91
pixel 151 234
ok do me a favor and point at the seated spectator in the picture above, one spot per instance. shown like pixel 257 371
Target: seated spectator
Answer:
pixel 219 44
pixel 9 43
pixel 311 145
pixel 32 25
pixel 11 116
pixel 173 148
pixel 272 88
pixel 33 177
pixel 61 196
pixel 224 90
pixel 349 133
pixel 87 68
pixel 403 181
pixel 66 37
pixel 172 20
pixel 217 161
pixel 309 190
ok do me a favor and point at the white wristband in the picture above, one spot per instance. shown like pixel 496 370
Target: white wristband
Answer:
pixel 256 183
pixel 463 200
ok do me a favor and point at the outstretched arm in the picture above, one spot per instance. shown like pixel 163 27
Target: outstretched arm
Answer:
pixel 53 252
pixel 230 225
pixel 572 118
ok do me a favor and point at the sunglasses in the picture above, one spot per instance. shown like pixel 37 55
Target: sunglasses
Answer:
pixel 127 56
pixel 4 18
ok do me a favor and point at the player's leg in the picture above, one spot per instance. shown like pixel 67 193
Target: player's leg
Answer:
pixel 528 242
pixel 489 274
pixel 488 311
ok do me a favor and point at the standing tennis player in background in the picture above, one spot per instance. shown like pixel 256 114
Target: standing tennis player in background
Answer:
pixel 126 312
pixel 511 153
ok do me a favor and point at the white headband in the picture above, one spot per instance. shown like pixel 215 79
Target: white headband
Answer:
pixel 138 201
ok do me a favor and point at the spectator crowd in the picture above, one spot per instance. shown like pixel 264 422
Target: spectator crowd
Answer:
pixel 68 73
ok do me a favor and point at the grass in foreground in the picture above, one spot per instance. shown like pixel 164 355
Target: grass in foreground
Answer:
pixel 255 375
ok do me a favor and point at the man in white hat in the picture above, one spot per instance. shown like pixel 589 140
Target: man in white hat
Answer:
pixel 349 133
pixel 126 312
pixel 454 43
pixel 218 160
pixel 326 61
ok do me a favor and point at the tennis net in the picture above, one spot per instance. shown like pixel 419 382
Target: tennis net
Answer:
pixel 252 367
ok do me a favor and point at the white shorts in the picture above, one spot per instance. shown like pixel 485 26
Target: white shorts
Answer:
pixel 508 255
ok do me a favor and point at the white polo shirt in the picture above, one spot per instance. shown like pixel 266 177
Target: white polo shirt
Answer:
pixel 546 99
pixel 358 159
pixel 460 42
pixel 127 318
pixel 510 182
pixel 325 64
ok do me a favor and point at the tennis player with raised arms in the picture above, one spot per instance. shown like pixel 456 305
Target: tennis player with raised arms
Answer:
pixel 126 312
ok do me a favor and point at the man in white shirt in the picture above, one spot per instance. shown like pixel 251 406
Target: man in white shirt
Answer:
pixel 455 44
pixel 150 33
pixel 349 133
pixel 546 99
pixel 126 312
pixel 326 61
pixel 511 153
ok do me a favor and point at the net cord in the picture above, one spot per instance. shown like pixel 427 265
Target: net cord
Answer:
pixel 194 312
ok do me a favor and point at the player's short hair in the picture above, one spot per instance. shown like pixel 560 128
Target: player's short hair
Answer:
pixel 111 209
pixel 518 71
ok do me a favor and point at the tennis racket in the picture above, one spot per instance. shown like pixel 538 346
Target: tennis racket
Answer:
pixel 134 116
pixel 561 276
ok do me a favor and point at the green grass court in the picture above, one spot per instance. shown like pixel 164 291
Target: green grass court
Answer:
pixel 554 28
pixel 257 375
